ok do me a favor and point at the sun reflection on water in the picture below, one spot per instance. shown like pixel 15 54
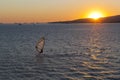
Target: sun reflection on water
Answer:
pixel 95 52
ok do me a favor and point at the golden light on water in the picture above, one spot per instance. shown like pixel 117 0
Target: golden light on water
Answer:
pixel 95 15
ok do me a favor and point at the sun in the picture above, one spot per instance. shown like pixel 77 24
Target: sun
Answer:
pixel 95 15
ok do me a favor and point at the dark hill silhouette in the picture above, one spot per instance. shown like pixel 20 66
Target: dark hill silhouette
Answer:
pixel 110 19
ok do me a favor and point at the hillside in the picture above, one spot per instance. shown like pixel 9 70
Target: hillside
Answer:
pixel 110 19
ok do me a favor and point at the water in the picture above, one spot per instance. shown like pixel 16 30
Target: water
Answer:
pixel 72 52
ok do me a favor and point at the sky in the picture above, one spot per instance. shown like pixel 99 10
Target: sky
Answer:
pixel 33 11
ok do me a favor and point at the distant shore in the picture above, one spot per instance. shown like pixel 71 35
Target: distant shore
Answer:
pixel 110 19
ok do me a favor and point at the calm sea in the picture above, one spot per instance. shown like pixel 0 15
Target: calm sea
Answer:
pixel 71 52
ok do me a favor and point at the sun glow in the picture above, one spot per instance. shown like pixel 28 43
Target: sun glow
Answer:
pixel 95 15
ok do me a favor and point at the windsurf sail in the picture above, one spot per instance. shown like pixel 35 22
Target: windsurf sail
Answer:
pixel 40 45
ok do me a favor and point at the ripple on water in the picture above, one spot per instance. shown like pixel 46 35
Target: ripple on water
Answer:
pixel 72 52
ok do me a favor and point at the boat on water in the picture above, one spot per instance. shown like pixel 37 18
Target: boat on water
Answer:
pixel 40 45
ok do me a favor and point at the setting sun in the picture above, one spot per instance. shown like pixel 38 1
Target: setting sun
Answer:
pixel 95 15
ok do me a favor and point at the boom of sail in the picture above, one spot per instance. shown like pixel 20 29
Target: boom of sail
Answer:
pixel 40 45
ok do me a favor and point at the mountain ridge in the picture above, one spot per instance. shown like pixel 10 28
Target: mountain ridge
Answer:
pixel 109 19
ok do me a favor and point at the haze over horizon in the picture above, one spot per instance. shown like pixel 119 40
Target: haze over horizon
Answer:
pixel 30 11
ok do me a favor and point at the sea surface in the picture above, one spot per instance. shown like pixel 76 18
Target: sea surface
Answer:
pixel 71 52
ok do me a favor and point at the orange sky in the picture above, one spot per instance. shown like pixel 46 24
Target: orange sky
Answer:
pixel 29 11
